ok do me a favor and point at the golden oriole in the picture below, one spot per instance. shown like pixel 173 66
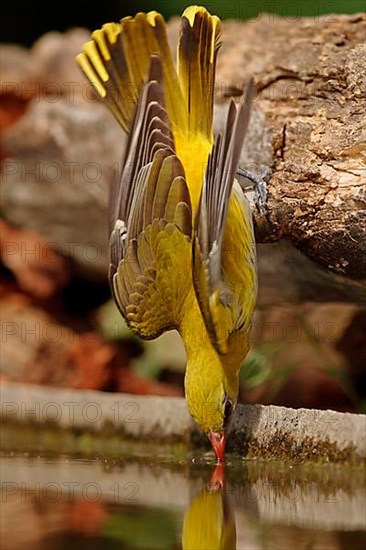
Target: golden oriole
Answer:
pixel 181 237
pixel 209 522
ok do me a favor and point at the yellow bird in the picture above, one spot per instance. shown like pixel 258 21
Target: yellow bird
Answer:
pixel 209 522
pixel 181 237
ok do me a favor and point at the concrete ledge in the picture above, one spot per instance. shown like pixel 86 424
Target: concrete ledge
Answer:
pixel 95 411
pixel 301 434
pixel 258 431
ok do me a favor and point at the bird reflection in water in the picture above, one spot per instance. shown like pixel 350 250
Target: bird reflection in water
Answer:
pixel 209 521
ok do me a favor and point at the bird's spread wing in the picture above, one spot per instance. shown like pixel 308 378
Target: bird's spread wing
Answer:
pixel 223 247
pixel 151 220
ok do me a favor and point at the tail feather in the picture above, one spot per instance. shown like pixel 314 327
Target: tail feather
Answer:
pixel 197 52
pixel 117 60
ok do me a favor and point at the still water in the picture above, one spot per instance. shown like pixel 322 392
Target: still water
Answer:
pixel 172 503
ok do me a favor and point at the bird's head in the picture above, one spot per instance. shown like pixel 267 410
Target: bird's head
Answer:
pixel 211 402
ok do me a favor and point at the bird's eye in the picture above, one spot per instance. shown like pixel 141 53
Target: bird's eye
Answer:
pixel 228 409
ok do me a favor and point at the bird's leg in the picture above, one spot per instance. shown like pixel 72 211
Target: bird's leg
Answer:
pixel 259 186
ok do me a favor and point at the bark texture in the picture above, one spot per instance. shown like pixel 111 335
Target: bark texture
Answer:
pixel 310 120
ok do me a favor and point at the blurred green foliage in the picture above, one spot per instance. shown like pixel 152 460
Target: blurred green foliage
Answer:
pixel 245 9
pixel 142 528
pixel 23 22
pixel 259 369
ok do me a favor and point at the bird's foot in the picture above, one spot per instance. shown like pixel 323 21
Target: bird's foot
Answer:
pixel 259 185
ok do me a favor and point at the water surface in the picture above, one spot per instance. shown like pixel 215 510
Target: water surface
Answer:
pixel 170 502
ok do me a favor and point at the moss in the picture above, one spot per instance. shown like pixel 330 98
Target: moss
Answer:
pixel 109 443
pixel 282 446
pixel 32 438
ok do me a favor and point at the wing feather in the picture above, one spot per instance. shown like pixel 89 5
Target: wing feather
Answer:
pixel 223 222
pixel 151 220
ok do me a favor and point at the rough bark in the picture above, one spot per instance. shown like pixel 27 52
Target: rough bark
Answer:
pixel 310 116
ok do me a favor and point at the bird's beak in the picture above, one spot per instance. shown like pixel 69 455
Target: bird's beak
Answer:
pixel 218 444
pixel 217 481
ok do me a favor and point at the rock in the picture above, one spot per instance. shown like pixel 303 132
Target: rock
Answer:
pixel 39 268
pixel 19 72
pixel 39 349
pixel 58 74
pixel 62 158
